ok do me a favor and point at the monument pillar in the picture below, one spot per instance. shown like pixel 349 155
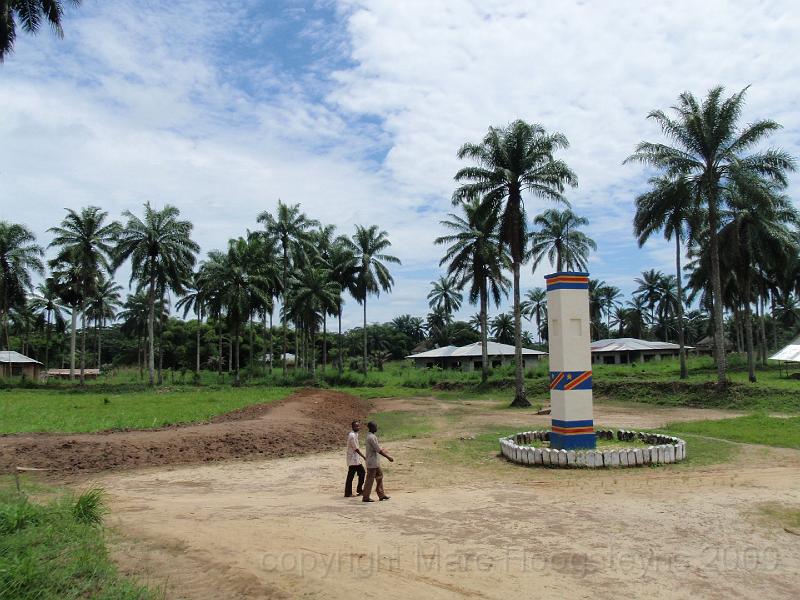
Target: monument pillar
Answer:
pixel 572 424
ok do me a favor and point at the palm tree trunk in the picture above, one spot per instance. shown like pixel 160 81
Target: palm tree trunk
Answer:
pixel 161 327
pixel 100 343
pixel 83 344
pixel 7 345
pixel 72 342
pixel 271 349
pixel 47 344
pixel 151 316
pixel 250 365
pixel 236 380
pixel 324 337
pixel 748 335
pixel 297 356
pixel 313 353
pixel 520 397
pixel 484 333
pixel 365 333
pixel 197 356
pixel 283 307
pixel 763 330
pixel 340 358
pixel 681 340
pixel 230 350
pixel 219 341
pixel 716 290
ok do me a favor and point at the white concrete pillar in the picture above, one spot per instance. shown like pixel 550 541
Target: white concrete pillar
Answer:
pixel 572 424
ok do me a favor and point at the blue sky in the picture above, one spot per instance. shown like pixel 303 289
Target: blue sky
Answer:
pixel 355 109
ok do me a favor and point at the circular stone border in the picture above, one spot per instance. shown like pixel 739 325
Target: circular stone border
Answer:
pixel 663 449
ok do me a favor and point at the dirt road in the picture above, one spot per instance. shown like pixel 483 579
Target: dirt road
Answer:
pixel 280 529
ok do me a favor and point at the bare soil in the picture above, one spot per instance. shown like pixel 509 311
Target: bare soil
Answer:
pixel 308 421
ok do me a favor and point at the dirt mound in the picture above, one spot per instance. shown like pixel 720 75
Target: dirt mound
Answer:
pixel 309 420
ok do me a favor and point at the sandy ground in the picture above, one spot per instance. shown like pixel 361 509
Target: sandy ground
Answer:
pixel 280 528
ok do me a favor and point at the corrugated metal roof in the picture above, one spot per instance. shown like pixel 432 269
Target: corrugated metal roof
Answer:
pixel 9 356
pixel 789 353
pixel 493 349
pixel 632 344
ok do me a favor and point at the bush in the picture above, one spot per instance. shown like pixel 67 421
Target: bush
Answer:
pixel 89 508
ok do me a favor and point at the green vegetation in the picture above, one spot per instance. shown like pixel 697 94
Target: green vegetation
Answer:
pixel 29 410
pixel 401 424
pixel 784 516
pixel 56 550
pixel 751 429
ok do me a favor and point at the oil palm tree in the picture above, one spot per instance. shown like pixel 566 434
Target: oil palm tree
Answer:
pixel 670 207
pixel 47 303
pixel 476 257
pixel 85 240
pixel 609 296
pixel 534 308
pixel 445 295
pixel 559 239
pixel 194 299
pixel 315 294
pixel 29 15
pixel 368 246
pixel 160 247
pixel 134 316
pixel 509 162
pixel 290 228
pixel 650 285
pixel 712 153
pixel 503 328
pixel 101 306
pixel 344 271
pixel 19 257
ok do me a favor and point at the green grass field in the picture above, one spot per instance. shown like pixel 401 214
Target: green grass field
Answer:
pixel 56 550
pixel 751 429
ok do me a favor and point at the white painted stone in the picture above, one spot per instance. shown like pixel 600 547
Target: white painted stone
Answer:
pixel 562 458
pixel 631 458
pixel 571 459
pixel 645 456
pixel 670 455
pixel 637 456
pixel 591 458
pixel 606 458
pixel 623 458
pixel 581 459
pixel 614 458
pixel 660 450
pixel 679 452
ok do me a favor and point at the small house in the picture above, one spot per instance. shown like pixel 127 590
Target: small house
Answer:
pixel 468 358
pixel 14 364
pixel 618 351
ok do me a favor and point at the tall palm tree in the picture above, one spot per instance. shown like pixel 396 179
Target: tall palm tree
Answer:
pixel 30 14
pixel 238 287
pixel 344 271
pixel 160 247
pixel 48 303
pixel 559 239
pixel 19 256
pixel 713 153
pixel 445 295
pixel 509 162
pixel 669 206
pixel 609 295
pixel 194 299
pixel 290 228
pixel 315 293
pixel 650 285
pixel 134 317
pixel 85 241
pixel 534 308
pixel 102 306
pixel 476 256
pixel 368 246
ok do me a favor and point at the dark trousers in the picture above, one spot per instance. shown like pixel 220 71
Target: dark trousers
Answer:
pixel 351 472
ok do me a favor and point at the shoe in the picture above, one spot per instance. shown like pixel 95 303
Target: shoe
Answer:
pixel 385 498
pixel 367 500
pixel 348 495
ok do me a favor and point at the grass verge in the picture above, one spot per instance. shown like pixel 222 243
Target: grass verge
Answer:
pixel 56 550
pixel 750 429
pixel 401 424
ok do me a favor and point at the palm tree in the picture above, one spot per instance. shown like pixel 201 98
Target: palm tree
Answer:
pixel 315 293
pixel 48 303
pixel 194 299
pixel 102 305
pixel 445 295
pixel 290 228
pixel 510 161
pixel 670 207
pixel 534 308
pixel 558 238
pixel 710 153
pixel 368 245
pixel 30 14
pixel 19 256
pixel 134 317
pixel 650 284
pixel 477 258
pixel 503 328
pixel 609 295
pixel 160 247
pixel 84 241
pixel 344 271
pixel 237 286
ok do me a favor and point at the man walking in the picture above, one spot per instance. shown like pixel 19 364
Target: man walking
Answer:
pixel 354 467
pixel 374 473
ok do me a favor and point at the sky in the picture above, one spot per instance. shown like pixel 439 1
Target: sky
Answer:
pixel 355 109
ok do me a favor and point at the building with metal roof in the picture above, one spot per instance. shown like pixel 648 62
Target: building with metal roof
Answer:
pixel 789 353
pixel 468 358
pixel 14 364
pixel 617 351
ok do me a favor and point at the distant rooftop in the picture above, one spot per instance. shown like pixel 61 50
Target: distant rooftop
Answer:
pixel 632 344
pixel 789 353
pixel 9 356
pixel 493 349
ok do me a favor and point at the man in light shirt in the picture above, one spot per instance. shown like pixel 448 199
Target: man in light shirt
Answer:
pixel 354 467
pixel 374 473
